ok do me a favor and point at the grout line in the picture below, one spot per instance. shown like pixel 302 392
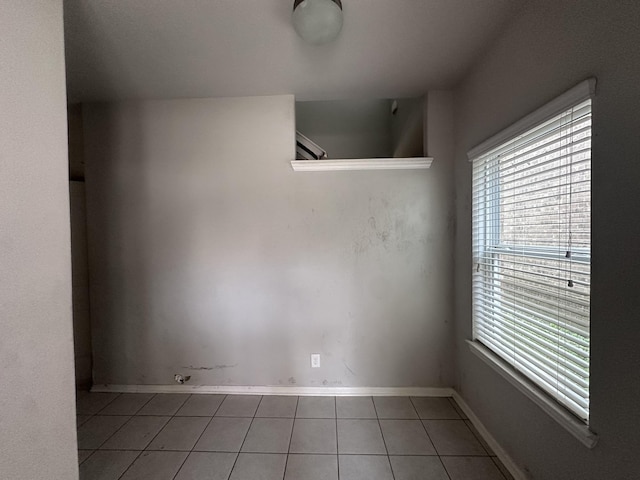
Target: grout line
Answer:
pixel 446 420
pixel 467 455
pixel 295 414
pixel 88 457
pixel 181 465
pixel 446 472
pixel 327 418
pixel 425 429
pixel 414 408
pixel 149 443
pixel 384 442
pixel 245 436
pixel 107 404
pixel 429 437
pixel 148 416
pixel 91 415
pixel 201 433
pixel 145 403
pixel 117 429
pixel 120 415
pixel 95 415
pixel 293 453
pixel 444 467
pixel 233 452
pixel 199 436
pixel 171 417
pixel 293 425
pixel 255 412
pixel 288 453
pixel 134 461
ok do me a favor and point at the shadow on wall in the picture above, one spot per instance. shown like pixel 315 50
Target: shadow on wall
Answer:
pixel 79 257
pixel 110 241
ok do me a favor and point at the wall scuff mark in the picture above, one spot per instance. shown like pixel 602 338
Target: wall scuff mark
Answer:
pixel 215 367
pixel 350 371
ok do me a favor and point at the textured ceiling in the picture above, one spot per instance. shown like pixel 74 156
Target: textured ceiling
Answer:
pixel 124 49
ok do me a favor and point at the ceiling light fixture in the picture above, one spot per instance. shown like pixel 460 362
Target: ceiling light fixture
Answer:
pixel 317 21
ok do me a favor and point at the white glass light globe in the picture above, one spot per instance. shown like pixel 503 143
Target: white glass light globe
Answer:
pixel 317 21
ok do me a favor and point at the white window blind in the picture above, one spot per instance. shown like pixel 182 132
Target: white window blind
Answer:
pixel 532 248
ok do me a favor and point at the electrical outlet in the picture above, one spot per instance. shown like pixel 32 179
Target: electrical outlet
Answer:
pixel 315 360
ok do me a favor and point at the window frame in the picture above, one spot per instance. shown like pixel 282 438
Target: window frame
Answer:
pixel 580 93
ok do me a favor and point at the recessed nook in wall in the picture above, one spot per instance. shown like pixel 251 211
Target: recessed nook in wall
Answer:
pixel 377 134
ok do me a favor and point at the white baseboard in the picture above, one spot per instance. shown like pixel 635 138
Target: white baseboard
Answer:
pixel 495 446
pixel 279 390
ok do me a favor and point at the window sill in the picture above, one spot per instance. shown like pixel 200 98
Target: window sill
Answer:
pixel 570 423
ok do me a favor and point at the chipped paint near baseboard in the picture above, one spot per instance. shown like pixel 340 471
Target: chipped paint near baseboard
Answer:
pixel 279 390
pixel 506 460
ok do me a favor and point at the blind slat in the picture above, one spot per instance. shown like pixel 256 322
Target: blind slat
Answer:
pixel 555 278
pixel 497 315
pixel 544 314
pixel 574 343
pixel 579 395
pixel 548 363
pixel 535 369
pixel 553 390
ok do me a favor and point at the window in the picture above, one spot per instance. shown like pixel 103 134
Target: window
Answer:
pixel 532 247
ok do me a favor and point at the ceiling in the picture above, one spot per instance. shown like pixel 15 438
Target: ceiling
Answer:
pixel 125 49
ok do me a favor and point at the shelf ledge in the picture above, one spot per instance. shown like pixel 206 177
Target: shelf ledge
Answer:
pixel 414 163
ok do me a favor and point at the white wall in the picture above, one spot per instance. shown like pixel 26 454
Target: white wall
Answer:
pixel 551 46
pixel 37 419
pixel 209 256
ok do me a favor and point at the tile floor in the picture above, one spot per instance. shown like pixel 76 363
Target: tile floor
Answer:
pixel 247 437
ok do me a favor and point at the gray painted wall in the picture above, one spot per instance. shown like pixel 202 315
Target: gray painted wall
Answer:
pixel 551 46
pixel 407 127
pixel 210 256
pixel 80 285
pixel 76 139
pixel 79 259
pixel 37 419
pixel 348 128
